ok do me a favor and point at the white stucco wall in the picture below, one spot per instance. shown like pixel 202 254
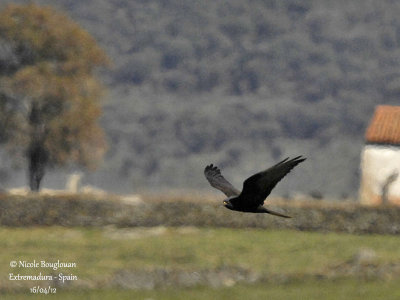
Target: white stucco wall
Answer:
pixel 377 163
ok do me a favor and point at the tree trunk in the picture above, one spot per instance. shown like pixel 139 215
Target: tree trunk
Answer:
pixel 37 153
pixel 37 157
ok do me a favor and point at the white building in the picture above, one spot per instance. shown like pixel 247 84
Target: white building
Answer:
pixel 380 158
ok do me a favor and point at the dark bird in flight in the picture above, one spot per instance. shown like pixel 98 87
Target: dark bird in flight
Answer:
pixel 256 188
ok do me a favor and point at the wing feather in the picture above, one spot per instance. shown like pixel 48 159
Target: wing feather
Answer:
pixel 215 178
pixel 257 187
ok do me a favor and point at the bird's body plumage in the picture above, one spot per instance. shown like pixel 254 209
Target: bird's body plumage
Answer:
pixel 256 188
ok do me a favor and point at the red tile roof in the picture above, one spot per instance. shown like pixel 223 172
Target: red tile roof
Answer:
pixel 384 127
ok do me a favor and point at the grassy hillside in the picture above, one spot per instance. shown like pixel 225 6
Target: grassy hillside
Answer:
pixel 241 84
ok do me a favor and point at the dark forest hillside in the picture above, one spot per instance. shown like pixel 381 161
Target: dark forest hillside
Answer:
pixel 240 84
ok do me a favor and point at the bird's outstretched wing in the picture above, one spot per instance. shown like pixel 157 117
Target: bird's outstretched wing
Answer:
pixel 215 178
pixel 257 187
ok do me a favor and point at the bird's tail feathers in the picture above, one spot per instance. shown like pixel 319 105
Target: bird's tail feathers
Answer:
pixel 274 213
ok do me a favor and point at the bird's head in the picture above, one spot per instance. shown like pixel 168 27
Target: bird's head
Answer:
pixel 228 204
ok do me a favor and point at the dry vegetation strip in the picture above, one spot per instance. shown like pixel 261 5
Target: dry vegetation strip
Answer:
pixel 79 210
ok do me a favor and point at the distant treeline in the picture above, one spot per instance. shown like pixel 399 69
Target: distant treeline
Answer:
pixel 241 84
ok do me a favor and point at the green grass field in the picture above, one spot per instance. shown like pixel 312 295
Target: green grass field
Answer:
pixel 308 290
pixel 100 252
